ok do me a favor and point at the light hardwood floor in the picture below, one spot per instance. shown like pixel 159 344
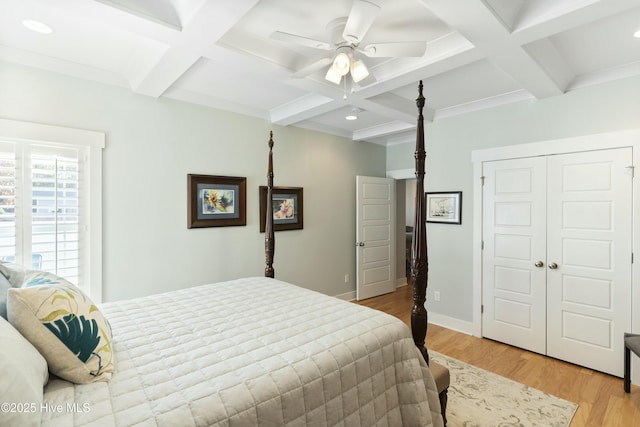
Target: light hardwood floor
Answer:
pixel 601 397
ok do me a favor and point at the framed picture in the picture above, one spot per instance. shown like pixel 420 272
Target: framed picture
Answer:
pixel 444 207
pixel 216 201
pixel 286 208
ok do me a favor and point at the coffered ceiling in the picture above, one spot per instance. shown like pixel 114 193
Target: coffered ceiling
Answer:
pixel 222 54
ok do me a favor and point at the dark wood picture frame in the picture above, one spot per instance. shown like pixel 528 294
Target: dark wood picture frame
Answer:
pixel 293 197
pixel 216 201
pixel 444 207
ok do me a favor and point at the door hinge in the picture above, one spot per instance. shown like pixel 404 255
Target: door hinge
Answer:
pixel 631 257
pixel 631 170
pixel 482 309
pixel 482 245
pixel 482 180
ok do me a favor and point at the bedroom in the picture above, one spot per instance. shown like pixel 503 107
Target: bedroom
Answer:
pixel 152 143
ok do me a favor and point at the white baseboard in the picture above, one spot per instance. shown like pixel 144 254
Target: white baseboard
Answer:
pixel 348 296
pixel 401 282
pixel 451 323
pixel 435 318
pixel 351 296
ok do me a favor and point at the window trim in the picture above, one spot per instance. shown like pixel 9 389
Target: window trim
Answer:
pixel 20 132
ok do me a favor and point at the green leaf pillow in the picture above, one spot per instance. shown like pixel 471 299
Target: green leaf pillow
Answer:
pixel 66 328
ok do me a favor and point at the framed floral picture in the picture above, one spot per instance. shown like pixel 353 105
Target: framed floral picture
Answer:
pixel 286 208
pixel 216 201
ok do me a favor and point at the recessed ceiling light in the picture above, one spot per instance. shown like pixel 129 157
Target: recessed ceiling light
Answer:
pixel 37 26
pixel 354 114
pixel 637 34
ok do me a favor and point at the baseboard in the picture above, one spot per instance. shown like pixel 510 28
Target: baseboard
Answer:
pixel 451 323
pixel 401 282
pixel 348 296
pixel 351 296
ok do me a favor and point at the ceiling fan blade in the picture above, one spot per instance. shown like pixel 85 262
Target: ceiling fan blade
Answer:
pixel 362 15
pixel 395 49
pixel 299 40
pixel 311 68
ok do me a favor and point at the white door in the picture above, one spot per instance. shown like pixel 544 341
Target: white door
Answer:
pixel 589 254
pixel 514 293
pixel 375 239
pixel 557 255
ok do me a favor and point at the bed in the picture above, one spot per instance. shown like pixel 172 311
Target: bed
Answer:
pixel 247 352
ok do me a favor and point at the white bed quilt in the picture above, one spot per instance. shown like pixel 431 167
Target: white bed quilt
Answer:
pixel 251 352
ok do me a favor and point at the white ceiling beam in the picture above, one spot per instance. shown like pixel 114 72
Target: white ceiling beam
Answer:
pixel 301 109
pixel 211 22
pixel 444 54
pixel 486 31
pixel 390 128
pixel 537 25
pixel 160 11
pixel 61 66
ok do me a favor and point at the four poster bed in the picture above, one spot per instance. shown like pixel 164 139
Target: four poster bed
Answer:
pixel 252 351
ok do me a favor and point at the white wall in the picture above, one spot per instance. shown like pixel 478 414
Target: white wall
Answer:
pixel 152 144
pixel 410 201
pixel 449 142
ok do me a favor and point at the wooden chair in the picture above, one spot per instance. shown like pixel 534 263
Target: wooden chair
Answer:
pixel 631 343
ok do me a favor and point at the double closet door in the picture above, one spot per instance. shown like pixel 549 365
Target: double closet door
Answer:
pixel 557 255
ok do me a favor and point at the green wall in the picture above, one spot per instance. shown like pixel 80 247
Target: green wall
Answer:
pixel 151 146
pixel 449 142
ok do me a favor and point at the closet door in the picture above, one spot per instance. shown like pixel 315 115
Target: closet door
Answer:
pixel 589 257
pixel 514 272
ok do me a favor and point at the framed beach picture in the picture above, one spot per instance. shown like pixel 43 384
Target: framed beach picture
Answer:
pixel 216 201
pixel 286 208
pixel 444 207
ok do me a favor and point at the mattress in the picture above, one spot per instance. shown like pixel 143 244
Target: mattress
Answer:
pixel 248 352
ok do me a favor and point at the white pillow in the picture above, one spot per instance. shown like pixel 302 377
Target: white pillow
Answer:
pixel 23 375
pixel 4 287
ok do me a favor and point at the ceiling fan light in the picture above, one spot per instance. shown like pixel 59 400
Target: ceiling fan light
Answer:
pixel 333 76
pixel 358 71
pixel 341 63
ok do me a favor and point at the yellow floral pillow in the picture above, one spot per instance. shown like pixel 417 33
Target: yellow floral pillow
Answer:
pixel 66 328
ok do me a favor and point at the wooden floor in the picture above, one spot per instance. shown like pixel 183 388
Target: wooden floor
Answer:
pixel 601 398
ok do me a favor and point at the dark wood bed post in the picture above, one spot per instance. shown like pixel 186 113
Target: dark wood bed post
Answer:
pixel 269 238
pixel 419 260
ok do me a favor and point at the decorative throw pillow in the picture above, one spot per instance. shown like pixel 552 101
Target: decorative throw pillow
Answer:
pixel 66 327
pixel 24 374
pixel 16 276
pixel 37 278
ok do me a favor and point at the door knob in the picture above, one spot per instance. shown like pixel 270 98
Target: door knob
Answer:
pixel 360 243
pixel 553 266
pixel 539 264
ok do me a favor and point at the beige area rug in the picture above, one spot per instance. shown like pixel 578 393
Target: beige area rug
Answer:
pixel 479 398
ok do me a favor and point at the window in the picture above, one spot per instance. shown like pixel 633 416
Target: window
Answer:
pixel 50 193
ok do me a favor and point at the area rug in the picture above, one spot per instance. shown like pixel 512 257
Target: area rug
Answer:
pixel 479 398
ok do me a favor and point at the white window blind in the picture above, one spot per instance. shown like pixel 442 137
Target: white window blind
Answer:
pixel 50 201
pixel 41 217
pixel 56 234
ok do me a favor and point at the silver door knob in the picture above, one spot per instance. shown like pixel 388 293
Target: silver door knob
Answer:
pixel 360 243
pixel 539 264
pixel 553 266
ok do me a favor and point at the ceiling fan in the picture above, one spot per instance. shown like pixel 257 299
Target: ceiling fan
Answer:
pixel 346 35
